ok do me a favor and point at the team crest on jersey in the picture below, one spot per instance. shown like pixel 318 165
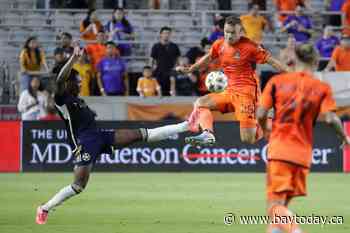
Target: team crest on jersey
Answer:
pixel 86 157
pixel 237 55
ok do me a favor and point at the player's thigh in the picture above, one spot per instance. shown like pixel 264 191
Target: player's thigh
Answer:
pixel 280 180
pixel 124 137
pixel 215 101
pixel 81 175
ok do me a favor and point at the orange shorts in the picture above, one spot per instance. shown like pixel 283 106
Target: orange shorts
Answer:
pixel 242 104
pixel 285 180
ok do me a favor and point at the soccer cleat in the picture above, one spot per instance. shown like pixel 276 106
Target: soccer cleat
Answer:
pixel 204 139
pixel 41 216
pixel 193 124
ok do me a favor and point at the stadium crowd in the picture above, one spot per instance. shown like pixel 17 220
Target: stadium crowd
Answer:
pixel 103 70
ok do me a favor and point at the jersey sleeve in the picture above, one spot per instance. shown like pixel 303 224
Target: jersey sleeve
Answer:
pixel 215 49
pixel 335 54
pixel 328 103
pixel 260 54
pixel 267 97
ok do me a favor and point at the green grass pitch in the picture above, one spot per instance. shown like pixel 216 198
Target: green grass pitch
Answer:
pixel 161 202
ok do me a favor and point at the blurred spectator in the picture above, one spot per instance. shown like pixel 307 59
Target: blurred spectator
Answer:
pixel 183 84
pixel 218 30
pixel 112 77
pixel 299 25
pixel 287 5
pixel 66 44
pixel 335 6
pixel 224 5
pixel 340 56
pixel 204 71
pixel 346 17
pixel 254 24
pixel 260 3
pixel 97 50
pixel 197 51
pixel 119 28
pixel 51 113
pixel 76 4
pixel 32 102
pixel 287 55
pixel 86 73
pixel 325 45
pixel 32 62
pixel 90 26
pixel 148 85
pixel 164 56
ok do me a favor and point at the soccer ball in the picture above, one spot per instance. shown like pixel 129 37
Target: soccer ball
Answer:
pixel 216 81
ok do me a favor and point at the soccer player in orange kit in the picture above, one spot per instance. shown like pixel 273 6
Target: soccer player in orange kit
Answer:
pixel 298 100
pixel 237 56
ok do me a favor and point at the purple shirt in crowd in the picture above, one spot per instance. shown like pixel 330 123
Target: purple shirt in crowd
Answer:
pixel 112 70
pixel 336 5
pixel 122 34
pixel 326 46
pixel 302 20
pixel 215 35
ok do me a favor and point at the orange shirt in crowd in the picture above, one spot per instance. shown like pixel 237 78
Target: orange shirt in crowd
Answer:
pixel 237 62
pixel 346 10
pixel 95 52
pixel 148 86
pixel 91 35
pixel 298 98
pixel 286 5
pixel 341 56
pixel 28 60
pixel 254 26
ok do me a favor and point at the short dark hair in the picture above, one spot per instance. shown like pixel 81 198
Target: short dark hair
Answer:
pixel 165 28
pixel 67 34
pixel 111 43
pixel 306 53
pixel 233 20
pixel 147 68
pixel 205 41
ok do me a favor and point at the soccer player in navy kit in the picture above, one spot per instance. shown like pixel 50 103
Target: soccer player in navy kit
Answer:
pixel 87 140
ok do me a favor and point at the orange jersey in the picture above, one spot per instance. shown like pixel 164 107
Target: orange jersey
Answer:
pixel 96 52
pixel 341 56
pixel 346 11
pixel 237 61
pixel 297 98
pixel 286 5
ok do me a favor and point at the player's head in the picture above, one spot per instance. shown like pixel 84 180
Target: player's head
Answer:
pixel 59 55
pixel 118 14
pixel 345 41
pixel 233 29
pixel 165 33
pixel 254 9
pixel 306 55
pixel 184 61
pixel 66 39
pixel 147 72
pixel 111 49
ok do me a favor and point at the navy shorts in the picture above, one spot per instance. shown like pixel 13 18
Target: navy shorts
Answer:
pixel 91 145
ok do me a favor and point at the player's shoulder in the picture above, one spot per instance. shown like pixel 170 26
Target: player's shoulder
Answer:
pixel 219 42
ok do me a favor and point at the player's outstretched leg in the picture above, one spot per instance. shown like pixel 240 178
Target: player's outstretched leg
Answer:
pixel 202 116
pixel 124 137
pixel 81 177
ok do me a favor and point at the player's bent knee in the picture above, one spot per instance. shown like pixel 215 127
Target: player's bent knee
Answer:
pixel 78 188
pixel 248 135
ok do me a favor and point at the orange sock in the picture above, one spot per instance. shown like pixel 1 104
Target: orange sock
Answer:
pixel 206 119
pixel 278 211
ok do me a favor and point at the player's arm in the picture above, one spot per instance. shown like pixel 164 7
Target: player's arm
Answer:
pixel 266 103
pixel 277 64
pixel 202 62
pixel 333 120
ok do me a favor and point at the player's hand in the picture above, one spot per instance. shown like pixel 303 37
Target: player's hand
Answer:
pixel 346 142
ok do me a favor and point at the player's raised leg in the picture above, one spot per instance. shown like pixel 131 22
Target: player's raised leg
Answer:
pixel 81 178
pixel 202 117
